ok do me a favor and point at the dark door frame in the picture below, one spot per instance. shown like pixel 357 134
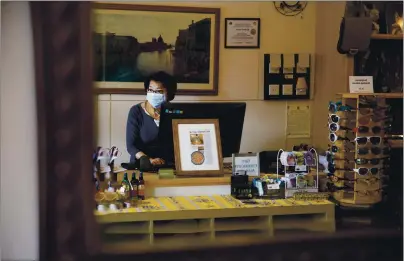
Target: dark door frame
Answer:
pixel 68 230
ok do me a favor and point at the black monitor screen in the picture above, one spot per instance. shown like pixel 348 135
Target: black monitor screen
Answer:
pixel 230 116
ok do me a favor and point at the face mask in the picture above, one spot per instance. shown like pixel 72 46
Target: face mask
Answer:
pixel 155 99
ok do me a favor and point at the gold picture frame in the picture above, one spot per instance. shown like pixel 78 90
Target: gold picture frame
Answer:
pixel 191 137
pixel 194 62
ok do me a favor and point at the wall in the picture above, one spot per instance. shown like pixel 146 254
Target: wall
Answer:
pixel 240 78
pixel 18 162
pixel 331 67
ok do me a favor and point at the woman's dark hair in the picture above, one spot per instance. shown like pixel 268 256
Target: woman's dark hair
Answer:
pixel 167 80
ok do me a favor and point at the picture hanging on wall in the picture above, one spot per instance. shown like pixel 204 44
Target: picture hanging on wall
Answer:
pixel 130 42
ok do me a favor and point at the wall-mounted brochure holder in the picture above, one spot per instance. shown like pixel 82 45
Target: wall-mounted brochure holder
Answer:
pixel 287 76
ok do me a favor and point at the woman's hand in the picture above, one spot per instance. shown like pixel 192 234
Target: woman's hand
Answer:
pixel 157 161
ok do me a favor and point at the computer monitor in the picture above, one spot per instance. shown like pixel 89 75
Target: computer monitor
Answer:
pixel 229 114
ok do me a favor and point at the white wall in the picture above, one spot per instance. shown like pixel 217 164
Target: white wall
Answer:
pixel 240 78
pixel 18 162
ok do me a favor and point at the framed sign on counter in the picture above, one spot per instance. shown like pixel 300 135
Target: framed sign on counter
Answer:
pixel 242 33
pixel 197 147
pixel 248 162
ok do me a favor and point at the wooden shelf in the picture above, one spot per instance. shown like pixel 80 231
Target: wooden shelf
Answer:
pixel 181 222
pixel 387 36
pixel 384 95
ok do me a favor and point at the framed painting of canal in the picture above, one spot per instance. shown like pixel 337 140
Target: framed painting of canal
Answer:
pixel 130 42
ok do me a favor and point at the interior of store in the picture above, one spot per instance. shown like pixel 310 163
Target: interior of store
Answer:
pixel 278 123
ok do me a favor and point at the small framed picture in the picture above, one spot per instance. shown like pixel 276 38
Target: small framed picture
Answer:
pixel 197 147
pixel 242 33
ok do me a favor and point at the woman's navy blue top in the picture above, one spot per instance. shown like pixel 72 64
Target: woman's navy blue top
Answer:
pixel 141 134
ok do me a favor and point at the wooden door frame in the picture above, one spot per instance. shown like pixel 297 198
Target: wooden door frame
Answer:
pixel 64 94
pixel 62 33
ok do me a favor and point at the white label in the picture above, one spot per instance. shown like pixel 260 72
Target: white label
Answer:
pixel 300 168
pixel 248 164
pixel 361 84
pixel 273 89
pixel 287 89
pixel 273 186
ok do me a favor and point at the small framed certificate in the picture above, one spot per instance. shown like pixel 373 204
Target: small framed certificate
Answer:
pixel 242 33
pixel 197 147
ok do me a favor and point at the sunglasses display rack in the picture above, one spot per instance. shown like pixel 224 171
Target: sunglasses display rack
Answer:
pixel 357 154
pixel 297 167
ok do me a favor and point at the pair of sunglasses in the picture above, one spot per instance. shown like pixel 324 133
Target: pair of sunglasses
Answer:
pixel 364 193
pixel 364 120
pixel 334 107
pixel 334 127
pixel 374 140
pixel 372 150
pixel 374 129
pixel 375 161
pixel 335 149
pixel 361 171
pixel 337 106
pixel 368 181
pixel 334 138
pixel 334 118
pixel 333 188
pixel 367 101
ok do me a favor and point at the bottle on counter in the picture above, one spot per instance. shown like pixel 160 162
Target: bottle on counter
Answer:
pixel 134 182
pixel 126 184
pixel 141 187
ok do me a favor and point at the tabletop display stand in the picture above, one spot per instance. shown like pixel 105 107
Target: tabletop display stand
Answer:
pixel 304 182
pixel 365 193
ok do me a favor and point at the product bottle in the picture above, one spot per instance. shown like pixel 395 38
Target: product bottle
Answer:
pixel 141 187
pixel 134 182
pixel 126 184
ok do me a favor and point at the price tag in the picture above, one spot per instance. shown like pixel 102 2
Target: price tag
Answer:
pixel 301 168
pixel 361 84
pixel 273 186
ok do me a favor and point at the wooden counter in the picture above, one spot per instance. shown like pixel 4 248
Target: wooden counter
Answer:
pixel 153 180
pixel 163 223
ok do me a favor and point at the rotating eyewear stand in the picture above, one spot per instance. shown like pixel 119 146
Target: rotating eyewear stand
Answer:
pixel 366 190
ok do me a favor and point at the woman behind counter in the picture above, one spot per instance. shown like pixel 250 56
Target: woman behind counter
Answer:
pixel 143 120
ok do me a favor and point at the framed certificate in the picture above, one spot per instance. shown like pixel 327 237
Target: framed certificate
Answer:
pixel 197 147
pixel 242 33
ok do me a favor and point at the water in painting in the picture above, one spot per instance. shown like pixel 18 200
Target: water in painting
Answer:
pixel 130 45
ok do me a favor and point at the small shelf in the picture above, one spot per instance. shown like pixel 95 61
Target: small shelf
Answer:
pixel 127 228
pixel 387 36
pixel 384 95
pixel 180 239
pixel 181 226
pixel 241 223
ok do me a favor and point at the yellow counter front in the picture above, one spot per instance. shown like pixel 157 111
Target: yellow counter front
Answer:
pixel 175 222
